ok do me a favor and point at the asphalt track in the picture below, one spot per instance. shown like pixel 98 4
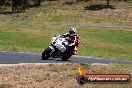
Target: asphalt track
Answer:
pixel 17 58
pixel 110 27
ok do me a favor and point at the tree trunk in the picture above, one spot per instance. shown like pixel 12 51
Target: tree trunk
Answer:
pixel 38 2
pixel 108 3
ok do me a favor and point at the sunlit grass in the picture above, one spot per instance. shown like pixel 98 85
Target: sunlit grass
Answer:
pixel 31 31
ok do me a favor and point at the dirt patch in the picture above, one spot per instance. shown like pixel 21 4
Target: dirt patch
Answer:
pixel 56 76
pixel 112 12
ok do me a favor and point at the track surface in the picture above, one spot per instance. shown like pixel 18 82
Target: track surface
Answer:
pixel 16 58
pixel 109 27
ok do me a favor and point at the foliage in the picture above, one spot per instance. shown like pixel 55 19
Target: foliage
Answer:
pixel 18 5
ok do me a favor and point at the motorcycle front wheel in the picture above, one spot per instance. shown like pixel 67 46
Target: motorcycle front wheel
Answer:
pixel 46 54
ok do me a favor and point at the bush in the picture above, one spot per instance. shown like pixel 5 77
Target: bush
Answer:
pixel 2 8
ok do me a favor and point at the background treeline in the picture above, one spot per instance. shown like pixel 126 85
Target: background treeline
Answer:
pixel 8 2
pixel 21 5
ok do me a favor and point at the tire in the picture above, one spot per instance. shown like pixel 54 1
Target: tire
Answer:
pixel 65 57
pixel 46 54
pixel 81 80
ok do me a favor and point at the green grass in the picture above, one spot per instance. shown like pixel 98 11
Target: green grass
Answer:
pixel 31 31
pixel 114 44
pixel 16 41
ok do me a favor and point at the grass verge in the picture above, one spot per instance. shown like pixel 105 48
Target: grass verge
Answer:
pixel 114 44
pixel 31 31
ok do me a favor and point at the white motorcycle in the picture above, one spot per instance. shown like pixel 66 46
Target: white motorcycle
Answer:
pixel 59 48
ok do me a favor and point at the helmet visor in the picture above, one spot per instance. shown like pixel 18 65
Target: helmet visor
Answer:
pixel 71 32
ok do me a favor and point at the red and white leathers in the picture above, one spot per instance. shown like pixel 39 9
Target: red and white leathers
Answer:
pixel 73 42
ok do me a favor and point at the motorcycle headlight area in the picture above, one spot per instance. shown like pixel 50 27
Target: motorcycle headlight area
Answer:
pixel 53 39
pixel 62 48
pixel 65 43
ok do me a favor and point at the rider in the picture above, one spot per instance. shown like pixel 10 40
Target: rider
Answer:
pixel 73 39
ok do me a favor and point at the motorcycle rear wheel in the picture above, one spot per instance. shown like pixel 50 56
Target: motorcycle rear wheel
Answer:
pixel 65 57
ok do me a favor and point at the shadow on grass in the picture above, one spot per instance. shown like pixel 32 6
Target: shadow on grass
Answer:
pixel 69 3
pixel 98 7
pixel 10 12
pixel 6 12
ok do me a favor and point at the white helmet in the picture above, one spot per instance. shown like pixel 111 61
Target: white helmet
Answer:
pixel 72 31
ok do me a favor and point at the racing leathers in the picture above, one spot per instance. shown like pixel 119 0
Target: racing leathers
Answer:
pixel 73 42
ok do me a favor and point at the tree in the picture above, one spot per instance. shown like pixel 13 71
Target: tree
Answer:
pixel 20 5
pixel 37 2
pixel 2 2
pixel 108 3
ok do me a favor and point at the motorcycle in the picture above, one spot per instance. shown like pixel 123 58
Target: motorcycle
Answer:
pixel 59 48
